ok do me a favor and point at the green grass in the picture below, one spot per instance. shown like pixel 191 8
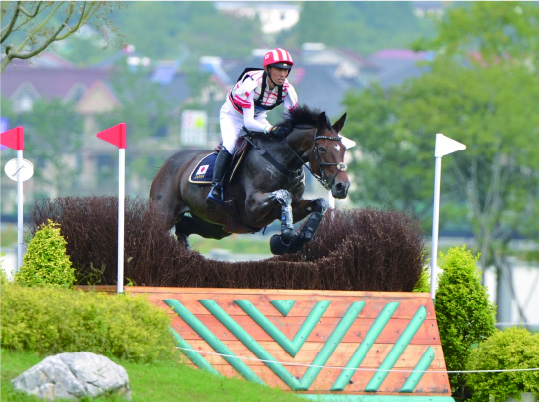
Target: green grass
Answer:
pixel 162 381
pixel 236 244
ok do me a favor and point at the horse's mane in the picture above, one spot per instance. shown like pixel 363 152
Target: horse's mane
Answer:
pixel 301 116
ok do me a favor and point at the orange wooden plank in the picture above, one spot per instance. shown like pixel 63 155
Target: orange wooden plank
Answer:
pixel 307 353
pixel 426 335
pixel 301 308
pixel 432 382
pixel 317 293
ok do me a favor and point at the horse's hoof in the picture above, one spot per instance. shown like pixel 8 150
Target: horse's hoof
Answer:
pixel 295 246
pixel 277 246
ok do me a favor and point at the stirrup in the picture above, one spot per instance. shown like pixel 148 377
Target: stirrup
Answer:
pixel 212 199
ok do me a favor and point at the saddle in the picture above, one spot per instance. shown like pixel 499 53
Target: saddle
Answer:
pixel 202 174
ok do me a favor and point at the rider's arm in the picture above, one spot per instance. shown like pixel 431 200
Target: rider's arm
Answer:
pixel 249 117
pixel 291 100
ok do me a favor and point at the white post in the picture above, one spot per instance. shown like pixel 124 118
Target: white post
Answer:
pixel 435 221
pixel 121 219
pixel 20 211
pixel 116 136
pixel 331 200
pixel 444 146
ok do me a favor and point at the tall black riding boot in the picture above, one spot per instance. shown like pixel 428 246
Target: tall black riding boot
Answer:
pixel 215 197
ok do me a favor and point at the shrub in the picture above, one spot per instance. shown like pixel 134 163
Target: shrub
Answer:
pixel 514 348
pixel 353 250
pixel 423 283
pixel 46 261
pixel 464 313
pixel 51 320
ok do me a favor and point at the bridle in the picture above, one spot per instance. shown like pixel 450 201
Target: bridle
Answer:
pixel 322 177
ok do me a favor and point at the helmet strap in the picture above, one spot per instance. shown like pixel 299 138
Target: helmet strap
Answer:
pixel 269 75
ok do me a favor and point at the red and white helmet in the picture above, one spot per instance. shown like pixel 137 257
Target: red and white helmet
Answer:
pixel 278 58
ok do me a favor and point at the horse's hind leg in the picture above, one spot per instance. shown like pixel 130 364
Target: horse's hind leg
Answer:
pixel 189 225
pixel 279 244
pixel 318 208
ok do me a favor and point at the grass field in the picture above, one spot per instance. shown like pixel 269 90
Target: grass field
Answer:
pixel 159 382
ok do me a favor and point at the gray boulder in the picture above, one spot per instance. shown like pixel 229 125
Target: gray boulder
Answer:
pixel 73 376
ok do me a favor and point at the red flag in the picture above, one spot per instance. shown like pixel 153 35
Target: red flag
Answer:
pixel 115 135
pixel 13 138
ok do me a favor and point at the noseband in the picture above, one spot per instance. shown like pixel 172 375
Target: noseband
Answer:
pixel 341 166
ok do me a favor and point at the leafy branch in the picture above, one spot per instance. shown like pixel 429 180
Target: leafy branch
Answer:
pixel 26 18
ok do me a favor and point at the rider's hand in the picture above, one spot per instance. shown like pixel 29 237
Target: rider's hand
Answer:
pixel 278 131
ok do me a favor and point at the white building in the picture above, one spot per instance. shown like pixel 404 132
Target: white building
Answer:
pixel 274 17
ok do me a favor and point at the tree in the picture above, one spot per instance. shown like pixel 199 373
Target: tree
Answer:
pixel 364 27
pixel 483 92
pixel 35 25
pixel 186 30
pixel 386 152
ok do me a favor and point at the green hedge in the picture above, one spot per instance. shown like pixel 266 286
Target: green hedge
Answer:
pixel 46 261
pixel 50 320
pixel 464 313
pixel 514 348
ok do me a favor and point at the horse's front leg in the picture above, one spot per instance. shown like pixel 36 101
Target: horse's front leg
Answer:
pixel 317 208
pixel 262 204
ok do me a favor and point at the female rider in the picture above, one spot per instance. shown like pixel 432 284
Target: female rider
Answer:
pixel 247 104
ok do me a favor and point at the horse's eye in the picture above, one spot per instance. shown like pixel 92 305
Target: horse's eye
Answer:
pixel 322 150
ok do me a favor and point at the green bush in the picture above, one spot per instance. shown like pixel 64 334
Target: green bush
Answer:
pixel 514 348
pixel 465 315
pixel 3 276
pixel 51 320
pixel 46 261
pixel 423 283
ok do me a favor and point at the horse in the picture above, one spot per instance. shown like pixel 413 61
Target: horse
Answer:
pixel 267 184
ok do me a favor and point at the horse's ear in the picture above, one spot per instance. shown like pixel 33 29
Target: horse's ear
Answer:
pixel 339 124
pixel 323 122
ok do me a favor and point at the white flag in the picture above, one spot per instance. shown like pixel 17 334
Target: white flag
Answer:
pixel 445 145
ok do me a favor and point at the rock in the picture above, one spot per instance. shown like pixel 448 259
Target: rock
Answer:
pixel 73 376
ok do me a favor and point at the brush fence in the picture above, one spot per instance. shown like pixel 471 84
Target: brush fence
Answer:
pixel 321 344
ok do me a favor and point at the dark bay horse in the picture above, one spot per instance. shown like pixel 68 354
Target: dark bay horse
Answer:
pixel 267 185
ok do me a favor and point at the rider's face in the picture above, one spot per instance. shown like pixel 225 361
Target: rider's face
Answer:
pixel 278 75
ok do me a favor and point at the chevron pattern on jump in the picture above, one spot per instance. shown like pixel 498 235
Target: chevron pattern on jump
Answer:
pixel 312 342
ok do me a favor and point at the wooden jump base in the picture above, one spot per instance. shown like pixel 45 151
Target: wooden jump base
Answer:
pixel 334 345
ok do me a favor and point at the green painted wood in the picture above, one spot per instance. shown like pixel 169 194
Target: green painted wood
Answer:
pixel 333 341
pixel 252 345
pixel 194 356
pixel 422 365
pixel 321 358
pixel 360 353
pixel 290 346
pixel 213 341
pixel 374 398
pixel 283 306
pixel 397 349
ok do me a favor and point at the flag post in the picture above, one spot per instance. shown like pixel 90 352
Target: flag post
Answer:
pixel 444 145
pixel 117 136
pixel 14 139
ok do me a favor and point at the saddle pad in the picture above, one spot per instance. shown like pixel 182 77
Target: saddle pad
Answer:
pixel 203 172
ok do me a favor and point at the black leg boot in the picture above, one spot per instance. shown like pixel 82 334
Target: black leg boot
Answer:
pixel 215 197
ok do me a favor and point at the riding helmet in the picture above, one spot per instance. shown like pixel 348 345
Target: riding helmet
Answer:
pixel 278 58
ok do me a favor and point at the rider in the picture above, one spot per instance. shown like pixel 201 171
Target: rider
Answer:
pixel 256 92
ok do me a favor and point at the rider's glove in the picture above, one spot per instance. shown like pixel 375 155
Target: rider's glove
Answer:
pixel 278 131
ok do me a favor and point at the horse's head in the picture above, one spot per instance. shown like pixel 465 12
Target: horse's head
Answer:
pixel 327 156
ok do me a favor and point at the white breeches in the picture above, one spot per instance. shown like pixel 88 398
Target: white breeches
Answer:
pixel 231 122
